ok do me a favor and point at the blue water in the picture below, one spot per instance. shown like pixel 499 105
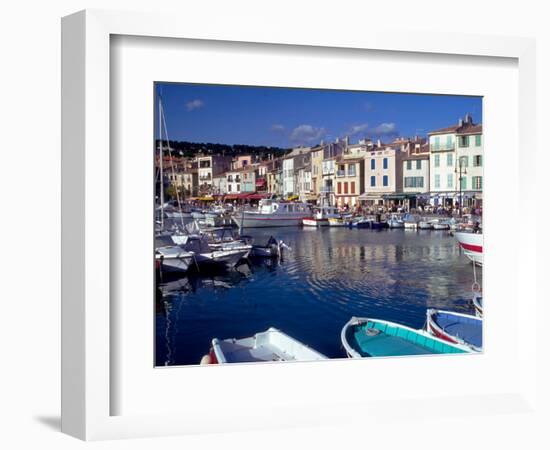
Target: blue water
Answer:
pixel 330 275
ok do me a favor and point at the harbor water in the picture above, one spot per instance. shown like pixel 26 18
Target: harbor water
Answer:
pixel 330 275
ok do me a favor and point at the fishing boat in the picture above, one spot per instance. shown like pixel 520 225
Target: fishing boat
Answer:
pixel 456 328
pixel 321 217
pixel 472 244
pixel 477 301
pixel 173 258
pixel 366 337
pixel 273 213
pixel 360 222
pixel 270 345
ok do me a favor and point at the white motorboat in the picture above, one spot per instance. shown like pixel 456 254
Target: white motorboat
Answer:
pixel 270 345
pixel 321 217
pixel 273 213
pixel 410 221
pixel 207 255
pixel 425 225
pixel 396 222
pixel 440 224
pixel 272 249
pixel 472 245
pixel 173 258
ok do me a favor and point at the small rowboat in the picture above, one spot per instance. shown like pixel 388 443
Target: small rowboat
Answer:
pixel 440 224
pixel 477 301
pixel 456 328
pixel 270 345
pixel 365 337
pixel 336 222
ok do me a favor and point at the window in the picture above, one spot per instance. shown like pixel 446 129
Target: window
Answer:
pixel 346 187
pixel 477 161
pixel 229 188
pixel 478 140
pixel 351 170
pixel 450 180
pixel 385 180
pixel 463 161
pixel 436 161
pixel 339 187
pixel 418 164
pixel 449 142
pixel 436 143
pixel 372 164
pixel 449 159
pixel 463 183
pixel 373 179
pixel 385 163
pixel 409 164
pixel 464 141
pixel 352 187
pixel 238 187
pixel 437 181
pixel 477 183
pixel 415 182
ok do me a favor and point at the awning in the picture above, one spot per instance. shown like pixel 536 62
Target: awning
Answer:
pixel 293 197
pixel 366 196
pixel 206 199
pixel 257 196
pixel 260 182
pixel 400 196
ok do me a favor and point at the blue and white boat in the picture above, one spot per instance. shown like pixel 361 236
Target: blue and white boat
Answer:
pixel 366 337
pixel 455 328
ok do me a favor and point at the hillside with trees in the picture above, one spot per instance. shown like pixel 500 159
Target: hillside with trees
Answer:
pixel 191 149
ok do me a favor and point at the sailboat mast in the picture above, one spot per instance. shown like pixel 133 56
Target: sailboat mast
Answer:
pixel 161 168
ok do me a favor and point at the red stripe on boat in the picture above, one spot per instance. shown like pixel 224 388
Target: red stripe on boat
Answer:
pixel 471 247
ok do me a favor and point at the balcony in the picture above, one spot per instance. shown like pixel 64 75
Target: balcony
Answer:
pixel 341 173
pixel 327 189
pixel 205 178
pixel 442 147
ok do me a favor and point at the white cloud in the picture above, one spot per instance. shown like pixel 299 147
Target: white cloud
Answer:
pixel 385 129
pixel 363 129
pixel 278 128
pixel 194 104
pixel 306 134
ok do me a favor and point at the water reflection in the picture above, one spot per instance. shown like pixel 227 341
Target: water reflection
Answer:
pixel 330 275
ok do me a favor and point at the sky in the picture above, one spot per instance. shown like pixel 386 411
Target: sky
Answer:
pixel 284 117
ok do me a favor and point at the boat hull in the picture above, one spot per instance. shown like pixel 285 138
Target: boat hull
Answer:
pixel 268 222
pixel 472 245
pixel 364 337
pixel 457 328
pixel 315 222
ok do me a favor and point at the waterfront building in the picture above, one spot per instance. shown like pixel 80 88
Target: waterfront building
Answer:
pixel 383 174
pixel 331 152
pixel 219 184
pixel 210 166
pixel 249 175
pixel 290 162
pixel 275 178
pixel 233 181
pixel 317 170
pixel 350 180
pixel 241 161
pixel 456 164
pixel 416 175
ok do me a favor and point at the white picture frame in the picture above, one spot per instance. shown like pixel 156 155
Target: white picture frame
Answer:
pixel 87 386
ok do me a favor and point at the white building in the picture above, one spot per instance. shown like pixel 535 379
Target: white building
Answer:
pixel 456 164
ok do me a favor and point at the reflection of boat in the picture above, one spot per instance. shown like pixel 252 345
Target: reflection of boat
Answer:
pixel 174 258
pixel 321 217
pixel 272 213
pixel 472 244
pixel 455 327
pixel 363 337
pixel 270 345
pixel 477 301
